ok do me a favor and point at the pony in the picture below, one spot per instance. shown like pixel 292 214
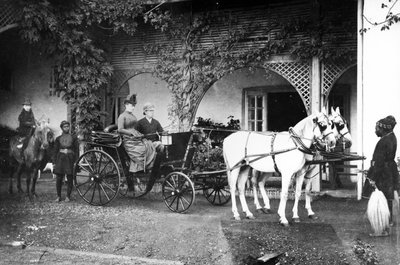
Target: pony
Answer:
pixel 32 159
pixel 284 152
pixel 258 179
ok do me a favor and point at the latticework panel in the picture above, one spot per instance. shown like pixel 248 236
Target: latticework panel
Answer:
pixel 298 74
pixel 8 14
pixel 330 74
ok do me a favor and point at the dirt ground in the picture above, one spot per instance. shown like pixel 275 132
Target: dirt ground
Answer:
pixel 144 231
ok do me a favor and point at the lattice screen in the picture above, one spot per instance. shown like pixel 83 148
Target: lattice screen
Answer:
pixel 8 14
pixel 298 74
pixel 330 74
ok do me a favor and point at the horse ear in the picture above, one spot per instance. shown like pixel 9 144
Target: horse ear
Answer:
pixel 332 110
pixel 338 110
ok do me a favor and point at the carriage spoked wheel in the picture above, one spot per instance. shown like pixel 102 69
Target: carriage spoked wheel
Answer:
pixel 178 192
pixel 135 185
pixel 216 189
pixel 97 177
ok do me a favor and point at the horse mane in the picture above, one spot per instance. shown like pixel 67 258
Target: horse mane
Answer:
pixel 303 124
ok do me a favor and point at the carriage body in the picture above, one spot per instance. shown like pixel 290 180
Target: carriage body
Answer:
pixel 102 172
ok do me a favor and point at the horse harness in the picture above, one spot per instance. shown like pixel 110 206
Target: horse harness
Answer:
pixel 298 145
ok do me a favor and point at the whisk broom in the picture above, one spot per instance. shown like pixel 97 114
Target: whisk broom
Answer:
pixel 378 212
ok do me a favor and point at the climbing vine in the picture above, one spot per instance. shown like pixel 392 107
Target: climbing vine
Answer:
pixel 190 65
pixel 75 34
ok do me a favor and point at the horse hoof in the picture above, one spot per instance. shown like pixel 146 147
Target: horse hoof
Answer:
pixel 267 211
pixel 284 224
pixel 237 218
pixel 251 217
pixel 296 220
pixel 313 217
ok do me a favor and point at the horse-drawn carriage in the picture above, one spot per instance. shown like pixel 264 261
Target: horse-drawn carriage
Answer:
pixel 102 172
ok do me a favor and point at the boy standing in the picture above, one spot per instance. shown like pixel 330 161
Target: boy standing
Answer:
pixel 66 151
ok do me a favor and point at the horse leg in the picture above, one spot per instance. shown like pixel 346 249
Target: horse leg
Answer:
pixel 19 173
pixel 284 196
pixel 261 185
pixel 254 177
pixel 10 182
pixel 299 186
pixel 243 176
pixel 232 180
pixel 28 184
pixel 35 177
pixel 310 212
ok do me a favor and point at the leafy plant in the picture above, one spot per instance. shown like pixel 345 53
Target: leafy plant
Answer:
pixel 365 253
pixel 389 19
pixel 208 153
pixel 75 34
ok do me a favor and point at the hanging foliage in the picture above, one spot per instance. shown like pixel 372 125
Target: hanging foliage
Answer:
pixel 76 34
pixel 189 66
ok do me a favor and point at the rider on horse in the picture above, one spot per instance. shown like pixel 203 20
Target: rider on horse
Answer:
pixel 27 125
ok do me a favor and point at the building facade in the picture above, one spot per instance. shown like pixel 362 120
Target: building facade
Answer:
pixel 272 95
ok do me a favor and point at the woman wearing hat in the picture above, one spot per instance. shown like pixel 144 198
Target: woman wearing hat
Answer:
pixel 383 171
pixel 27 124
pixel 66 152
pixel 140 151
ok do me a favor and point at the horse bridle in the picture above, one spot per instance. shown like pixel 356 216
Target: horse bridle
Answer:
pixel 341 125
pixel 322 127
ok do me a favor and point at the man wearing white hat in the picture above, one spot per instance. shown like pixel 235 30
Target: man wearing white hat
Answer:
pixel 150 127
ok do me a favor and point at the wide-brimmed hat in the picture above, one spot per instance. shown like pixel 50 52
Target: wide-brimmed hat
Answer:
pixel 27 102
pixel 131 99
pixel 387 123
pixel 64 123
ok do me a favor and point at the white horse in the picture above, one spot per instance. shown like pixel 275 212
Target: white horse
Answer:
pixel 258 179
pixel 283 152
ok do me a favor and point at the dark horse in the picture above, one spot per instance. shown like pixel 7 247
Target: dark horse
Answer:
pixel 33 158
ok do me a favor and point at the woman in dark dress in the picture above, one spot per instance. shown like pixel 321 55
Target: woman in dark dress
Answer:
pixel 383 171
pixel 140 150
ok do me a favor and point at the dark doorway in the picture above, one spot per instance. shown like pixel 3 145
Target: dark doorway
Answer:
pixel 285 109
pixel 340 97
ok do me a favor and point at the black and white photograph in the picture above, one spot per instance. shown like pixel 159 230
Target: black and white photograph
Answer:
pixel 199 132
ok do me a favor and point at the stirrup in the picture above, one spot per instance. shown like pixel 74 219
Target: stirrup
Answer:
pixel 19 146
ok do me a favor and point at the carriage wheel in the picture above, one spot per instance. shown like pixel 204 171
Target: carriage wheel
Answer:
pixel 178 192
pixel 135 186
pixel 217 190
pixel 97 177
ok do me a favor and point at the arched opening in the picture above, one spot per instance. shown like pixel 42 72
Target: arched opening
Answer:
pixel 147 89
pixel 260 103
pixel 344 95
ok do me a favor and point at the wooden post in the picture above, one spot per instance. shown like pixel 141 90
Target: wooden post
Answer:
pixel 360 97
pixel 315 105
